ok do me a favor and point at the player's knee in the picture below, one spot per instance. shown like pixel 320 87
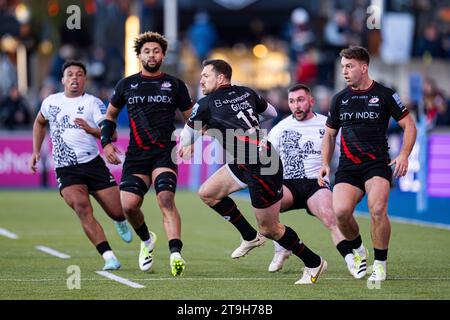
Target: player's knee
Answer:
pixel 130 206
pixel 166 181
pixel 83 209
pixel 378 209
pixel 329 219
pixel 134 185
pixel 204 194
pixel 342 213
pixel 166 201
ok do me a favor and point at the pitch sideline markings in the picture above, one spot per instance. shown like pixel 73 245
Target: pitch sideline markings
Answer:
pixel 53 252
pixel 110 276
pixel 124 281
pixel 8 234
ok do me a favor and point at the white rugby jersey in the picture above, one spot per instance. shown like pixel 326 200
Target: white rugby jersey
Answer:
pixel 71 144
pixel 299 144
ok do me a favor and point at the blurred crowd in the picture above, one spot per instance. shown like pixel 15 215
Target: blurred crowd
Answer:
pixel 313 37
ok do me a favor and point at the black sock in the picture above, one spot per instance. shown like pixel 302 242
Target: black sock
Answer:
pixel 229 211
pixel 142 232
pixel 175 245
pixel 291 241
pixel 355 243
pixel 344 248
pixel 380 254
pixel 102 247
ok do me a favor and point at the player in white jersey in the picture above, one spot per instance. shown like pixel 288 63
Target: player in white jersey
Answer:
pixel 74 117
pixel 298 139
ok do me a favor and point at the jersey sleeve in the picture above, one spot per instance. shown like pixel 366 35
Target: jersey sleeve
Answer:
pixel 184 99
pixel 396 108
pixel 274 137
pixel 261 103
pixel 200 113
pixel 98 111
pixel 333 117
pixel 44 109
pixel 118 96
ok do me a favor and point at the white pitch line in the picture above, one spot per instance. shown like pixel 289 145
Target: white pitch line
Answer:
pixel 53 252
pixel 124 281
pixel 221 279
pixel 8 234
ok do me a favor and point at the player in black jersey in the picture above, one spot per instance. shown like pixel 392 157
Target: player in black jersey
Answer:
pixel 362 112
pixel 152 98
pixel 230 114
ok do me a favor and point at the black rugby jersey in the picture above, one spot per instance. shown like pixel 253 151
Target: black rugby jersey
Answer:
pixel 151 103
pixel 234 109
pixel 363 116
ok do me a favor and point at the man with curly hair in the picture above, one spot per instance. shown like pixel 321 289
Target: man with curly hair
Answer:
pixel 152 98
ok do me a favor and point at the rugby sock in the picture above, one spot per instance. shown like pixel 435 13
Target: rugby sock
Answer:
pixel 380 254
pixel 358 246
pixel 345 251
pixel 355 243
pixel 108 255
pixel 380 257
pixel 229 211
pixel 143 233
pixel 103 247
pixel 291 241
pixel 175 245
pixel 277 246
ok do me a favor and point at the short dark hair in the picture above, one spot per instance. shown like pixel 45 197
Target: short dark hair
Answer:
pixel 220 67
pixel 299 86
pixel 150 36
pixel 357 53
pixel 73 63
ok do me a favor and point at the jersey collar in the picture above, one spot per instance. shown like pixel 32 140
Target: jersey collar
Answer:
pixel 151 77
pixel 364 90
pixel 224 86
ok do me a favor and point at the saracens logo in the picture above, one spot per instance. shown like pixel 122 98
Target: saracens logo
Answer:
pixel 166 85
pixel 373 102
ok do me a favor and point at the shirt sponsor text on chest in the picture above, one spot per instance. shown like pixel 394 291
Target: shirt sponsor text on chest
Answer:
pixel 359 115
pixel 149 99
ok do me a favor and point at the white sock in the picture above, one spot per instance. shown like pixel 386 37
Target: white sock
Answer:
pixel 349 259
pixel 277 246
pixel 108 255
pixel 383 263
pixel 147 242
pixel 362 251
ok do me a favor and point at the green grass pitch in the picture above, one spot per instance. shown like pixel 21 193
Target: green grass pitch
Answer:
pixel 418 268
